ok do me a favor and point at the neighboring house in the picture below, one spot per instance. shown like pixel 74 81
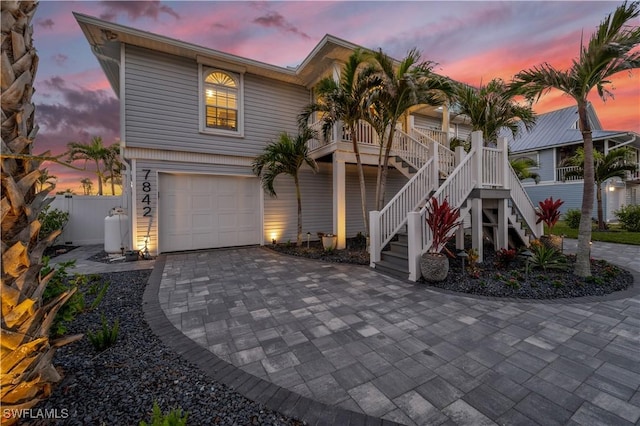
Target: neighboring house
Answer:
pixel 556 137
pixel 193 119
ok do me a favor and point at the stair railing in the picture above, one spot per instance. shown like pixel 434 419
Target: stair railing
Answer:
pixel 319 141
pixel 410 149
pixel 456 188
pixel 523 203
pixel 387 222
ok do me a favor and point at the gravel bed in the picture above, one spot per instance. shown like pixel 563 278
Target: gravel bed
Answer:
pixel 514 282
pixel 119 385
pixel 354 253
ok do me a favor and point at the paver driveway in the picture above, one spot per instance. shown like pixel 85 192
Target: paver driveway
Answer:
pixel 349 337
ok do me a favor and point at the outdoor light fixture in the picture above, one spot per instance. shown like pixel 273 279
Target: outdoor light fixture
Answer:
pixel 273 238
pixel 463 256
pixel 527 254
pixel 308 238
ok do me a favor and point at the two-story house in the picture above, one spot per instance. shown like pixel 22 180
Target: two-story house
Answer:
pixel 193 119
pixel 555 138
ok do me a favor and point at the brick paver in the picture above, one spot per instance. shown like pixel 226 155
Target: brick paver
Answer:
pixel 352 342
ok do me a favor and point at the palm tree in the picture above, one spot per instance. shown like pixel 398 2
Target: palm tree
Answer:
pixel 522 168
pixel 94 151
pixel 285 156
pixel 409 83
pixel 344 101
pixel 46 181
pixel 491 108
pixel 114 166
pixel 87 186
pixel 615 164
pixel 611 50
pixel 26 370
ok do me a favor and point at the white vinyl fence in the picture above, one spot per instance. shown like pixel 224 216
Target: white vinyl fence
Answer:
pixel 86 218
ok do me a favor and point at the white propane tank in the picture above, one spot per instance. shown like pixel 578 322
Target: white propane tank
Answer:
pixel 115 231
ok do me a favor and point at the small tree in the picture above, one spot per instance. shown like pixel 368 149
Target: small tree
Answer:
pixel 87 186
pixel 94 151
pixel 442 221
pixel 549 212
pixel 285 156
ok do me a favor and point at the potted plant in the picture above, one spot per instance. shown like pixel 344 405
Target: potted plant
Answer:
pixel 329 241
pixel 549 213
pixel 442 221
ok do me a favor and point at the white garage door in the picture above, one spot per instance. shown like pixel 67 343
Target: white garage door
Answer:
pixel 206 211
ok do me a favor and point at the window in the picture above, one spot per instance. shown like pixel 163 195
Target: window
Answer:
pixel 221 102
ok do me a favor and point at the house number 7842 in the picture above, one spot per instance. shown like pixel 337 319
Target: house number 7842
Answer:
pixel 146 189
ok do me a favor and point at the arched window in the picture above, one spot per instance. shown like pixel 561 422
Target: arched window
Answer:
pixel 221 101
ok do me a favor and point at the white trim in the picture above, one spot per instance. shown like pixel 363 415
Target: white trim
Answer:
pixel 187 157
pixel 133 208
pixel 239 78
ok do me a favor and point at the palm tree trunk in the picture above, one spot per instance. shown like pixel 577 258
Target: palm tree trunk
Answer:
pixel 296 181
pixel 363 185
pixel 99 173
pixel 26 370
pixel 601 226
pixel 583 253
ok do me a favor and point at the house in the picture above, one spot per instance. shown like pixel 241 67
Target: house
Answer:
pixel 556 137
pixel 193 119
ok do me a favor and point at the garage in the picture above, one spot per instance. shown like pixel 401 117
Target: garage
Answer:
pixel 199 211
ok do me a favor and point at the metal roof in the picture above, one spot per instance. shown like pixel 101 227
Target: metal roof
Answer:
pixel 557 128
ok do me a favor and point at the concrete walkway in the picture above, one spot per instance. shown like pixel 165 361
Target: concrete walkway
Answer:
pixel 343 344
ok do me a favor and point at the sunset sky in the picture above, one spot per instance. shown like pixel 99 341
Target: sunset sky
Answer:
pixel 472 41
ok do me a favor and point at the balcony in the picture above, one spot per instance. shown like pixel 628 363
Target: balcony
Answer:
pixel 561 174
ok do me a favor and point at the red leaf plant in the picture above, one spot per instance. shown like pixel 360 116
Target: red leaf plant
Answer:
pixel 549 212
pixel 442 220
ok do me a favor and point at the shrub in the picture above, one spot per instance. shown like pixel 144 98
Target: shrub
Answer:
pixel 442 220
pixel 106 337
pixel 549 212
pixel 629 216
pixel 174 417
pixel 572 218
pixel 51 221
pixel 504 257
pixel 58 284
pixel 547 258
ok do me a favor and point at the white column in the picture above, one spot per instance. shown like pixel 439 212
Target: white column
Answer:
pixel 339 201
pixel 412 123
pixel 374 238
pixel 414 244
pixel 436 163
pixel 477 145
pixel 459 155
pixel 476 226
pixel 503 225
pixel 503 145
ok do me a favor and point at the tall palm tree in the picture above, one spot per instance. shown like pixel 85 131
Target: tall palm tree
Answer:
pixel 285 156
pixel 617 163
pixel 610 50
pixel 26 370
pixel 94 151
pixel 491 108
pixel 113 166
pixel 344 102
pixel 401 86
pixel 46 181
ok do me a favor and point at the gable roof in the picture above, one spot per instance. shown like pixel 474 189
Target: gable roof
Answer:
pixel 106 39
pixel 557 128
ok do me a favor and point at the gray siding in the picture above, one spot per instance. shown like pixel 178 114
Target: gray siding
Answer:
pixel 161 107
pixel 281 214
pixel 570 193
pixel 355 222
pixel 434 123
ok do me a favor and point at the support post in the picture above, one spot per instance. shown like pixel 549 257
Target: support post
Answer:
pixel 477 145
pixel 339 202
pixel 436 163
pixel 503 145
pixel 414 244
pixel 459 154
pixel 374 238
pixel 503 225
pixel 476 226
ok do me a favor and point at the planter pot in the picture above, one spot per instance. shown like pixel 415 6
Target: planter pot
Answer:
pixel 329 242
pixel 552 241
pixel 434 266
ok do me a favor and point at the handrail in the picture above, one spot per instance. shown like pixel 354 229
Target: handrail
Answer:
pixel 446 160
pixel 455 189
pixel 365 133
pixel 492 170
pixel 437 135
pixel 394 215
pixel 409 149
pixel 523 203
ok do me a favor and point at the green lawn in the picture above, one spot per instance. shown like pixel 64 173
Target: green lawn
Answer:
pixel 614 235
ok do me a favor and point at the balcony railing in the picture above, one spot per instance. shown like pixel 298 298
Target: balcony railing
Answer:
pixel 561 174
pixel 437 135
